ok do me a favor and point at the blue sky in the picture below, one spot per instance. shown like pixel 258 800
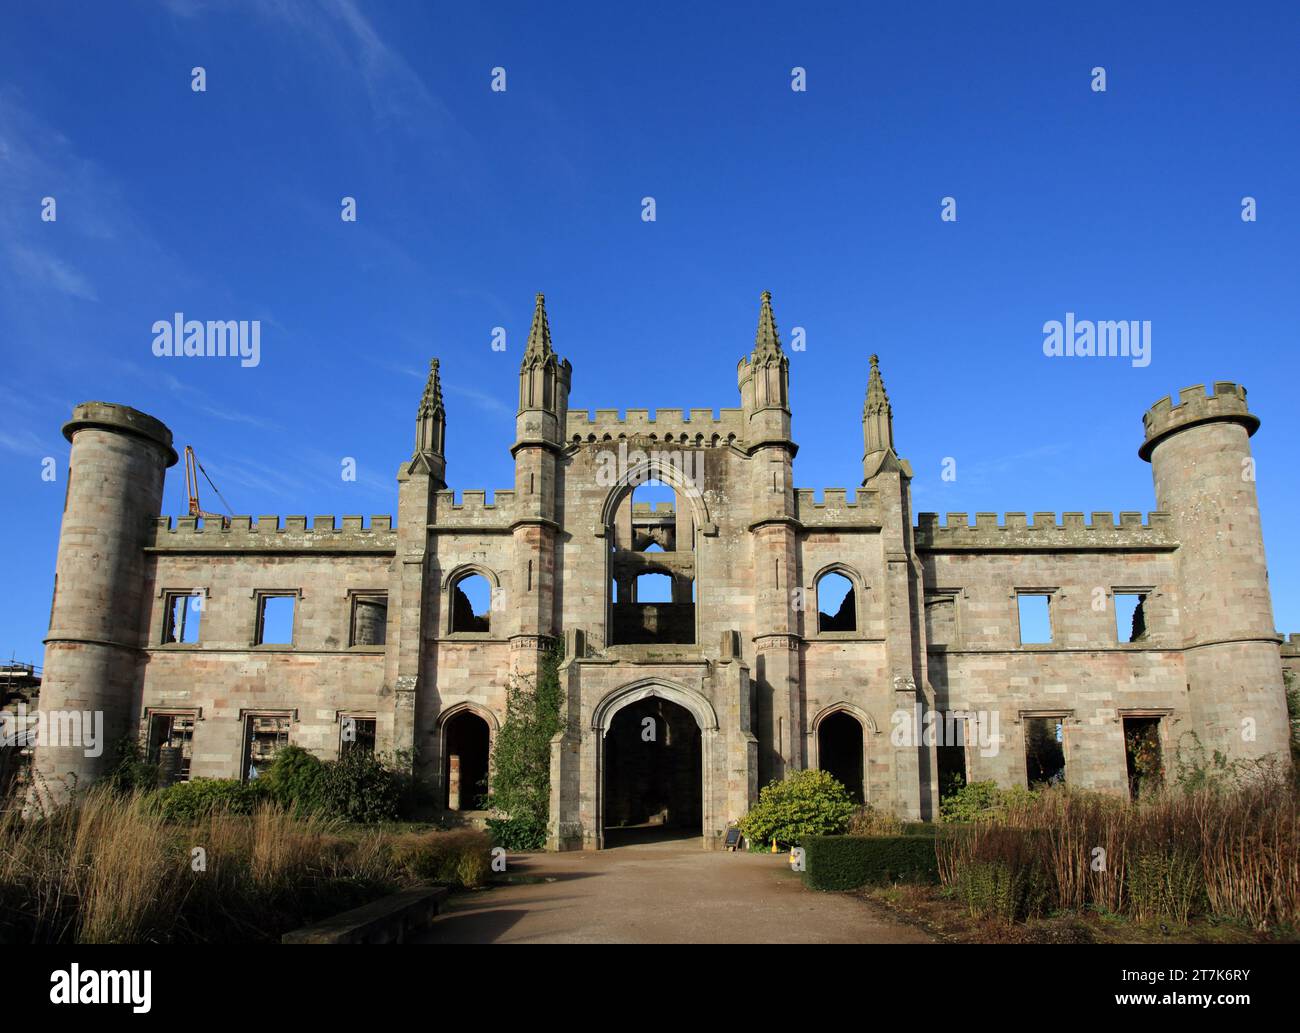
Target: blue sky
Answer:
pixel 225 205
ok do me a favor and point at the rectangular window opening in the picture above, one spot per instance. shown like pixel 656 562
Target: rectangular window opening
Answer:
pixel 1130 616
pixel 357 733
pixel 1044 751
pixel 171 739
pixel 184 612
pixel 1142 755
pixel 265 735
pixel 1035 618
pixel 275 620
pixel 369 620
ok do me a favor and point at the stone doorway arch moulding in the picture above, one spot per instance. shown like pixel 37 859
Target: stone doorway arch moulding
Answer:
pixel 694 703
pixel 869 729
pixel 441 722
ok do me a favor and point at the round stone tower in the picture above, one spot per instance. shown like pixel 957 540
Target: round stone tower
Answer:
pixel 99 618
pixel 1199 452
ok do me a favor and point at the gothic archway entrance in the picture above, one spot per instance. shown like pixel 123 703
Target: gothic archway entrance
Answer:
pixel 468 741
pixel 839 750
pixel 653 773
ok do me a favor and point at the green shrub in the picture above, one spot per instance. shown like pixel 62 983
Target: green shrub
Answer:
pixel 807 803
pixel 200 797
pixel 846 862
pixel 994 889
pixel 296 780
pixel 527 832
pixel 360 787
pixel 982 801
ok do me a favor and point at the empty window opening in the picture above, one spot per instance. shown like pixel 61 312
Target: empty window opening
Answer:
pixel 952 764
pixel 654 517
pixel 654 588
pixel 652 566
pixel 835 608
pixel 265 735
pixel 171 738
pixel 471 604
pixel 653 773
pixel 1130 616
pixel 369 620
pixel 1035 618
pixel 1044 751
pixel 1142 755
pixel 184 613
pixel 465 767
pixel 275 620
pixel 839 751
pixel 357 733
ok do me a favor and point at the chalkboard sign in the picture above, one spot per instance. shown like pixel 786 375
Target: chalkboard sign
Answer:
pixel 733 839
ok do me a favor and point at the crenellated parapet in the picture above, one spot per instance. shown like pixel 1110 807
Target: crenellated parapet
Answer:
pixel 274 534
pixel 1072 534
pixel 474 511
pixel 836 509
pixel 700 429
pixel 1227 402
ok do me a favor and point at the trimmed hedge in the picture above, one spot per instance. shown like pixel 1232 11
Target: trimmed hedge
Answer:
pixel 847 862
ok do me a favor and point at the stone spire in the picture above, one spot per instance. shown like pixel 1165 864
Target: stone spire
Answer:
pixel 767 344
pixel 538 349
pixel 430 427
pixel 877 415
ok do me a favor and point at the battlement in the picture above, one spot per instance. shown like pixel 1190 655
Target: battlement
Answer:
pixel 669 426
pixel 836 508
pixel 473 510
pixel 1044 534
pixel 244 534
pixel 1227 402
pixel 649 509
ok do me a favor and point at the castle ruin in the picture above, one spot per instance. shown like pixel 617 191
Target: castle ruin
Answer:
pixel 757 629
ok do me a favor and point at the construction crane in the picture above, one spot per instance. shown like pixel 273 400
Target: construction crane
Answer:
pixel 192 469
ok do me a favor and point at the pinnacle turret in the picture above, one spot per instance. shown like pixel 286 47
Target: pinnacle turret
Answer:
pixel 430 428
pixel 767 343
pixel 431 402
pixel 877 414
pixel 538 349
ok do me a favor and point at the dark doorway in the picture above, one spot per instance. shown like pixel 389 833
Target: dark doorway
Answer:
pixel 465 767
pixel 653 773
pixel 839 751
pixel 1142 755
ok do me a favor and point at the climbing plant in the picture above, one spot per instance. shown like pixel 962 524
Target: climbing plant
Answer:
pixel 521 758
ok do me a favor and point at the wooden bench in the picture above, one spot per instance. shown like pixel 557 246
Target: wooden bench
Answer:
pixel 387 920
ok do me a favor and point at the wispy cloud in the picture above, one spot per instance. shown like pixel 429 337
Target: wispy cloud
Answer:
pixel 25 443
pixel 42 270
pixel 488 403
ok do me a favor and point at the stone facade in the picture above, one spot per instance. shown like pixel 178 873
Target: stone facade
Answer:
pixel 931 625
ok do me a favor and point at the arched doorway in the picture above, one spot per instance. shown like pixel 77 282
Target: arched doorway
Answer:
pixel 467 743
pixel 653 773
pixel 839 750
